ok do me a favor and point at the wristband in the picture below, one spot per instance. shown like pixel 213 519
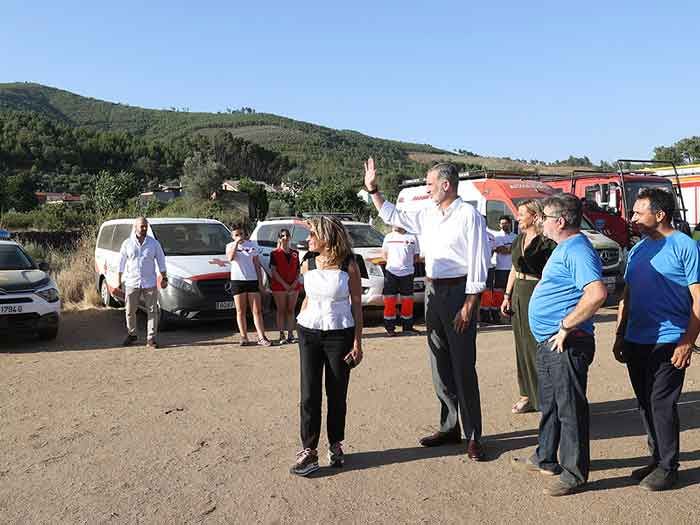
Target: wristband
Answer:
pixel 562 327
pixel 372 192
pixel 506 294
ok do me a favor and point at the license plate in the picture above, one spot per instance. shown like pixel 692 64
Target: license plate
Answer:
pixel 10 309
pixel 224 305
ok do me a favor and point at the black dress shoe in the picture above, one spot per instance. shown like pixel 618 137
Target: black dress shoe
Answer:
pixel 474 451
pixel 441 438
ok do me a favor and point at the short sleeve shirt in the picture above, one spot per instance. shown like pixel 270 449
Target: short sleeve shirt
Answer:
pixel 502 260
pixel 401 250
pixel 658 274
pixel 286 264
pixel 532 259
pixel 242 266
pixel 574 263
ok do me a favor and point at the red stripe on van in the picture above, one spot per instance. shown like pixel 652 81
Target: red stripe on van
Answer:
pixel 210 276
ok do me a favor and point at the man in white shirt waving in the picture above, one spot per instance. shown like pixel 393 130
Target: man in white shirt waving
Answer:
pixel 401 251
pixel 457 253
pixel 137 272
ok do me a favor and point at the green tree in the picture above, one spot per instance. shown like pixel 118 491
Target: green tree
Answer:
pixel 20 192
pixel 112 191
pixel 258 197
pixel 332 197
pixel 201 176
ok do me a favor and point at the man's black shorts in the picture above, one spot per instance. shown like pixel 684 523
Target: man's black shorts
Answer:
pixel 397 285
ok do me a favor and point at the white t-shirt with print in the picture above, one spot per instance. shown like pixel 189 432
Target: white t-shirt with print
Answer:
pixel 242 266
pixel 401 250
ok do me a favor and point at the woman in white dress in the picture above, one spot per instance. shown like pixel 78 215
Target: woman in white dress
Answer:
pixel 330 338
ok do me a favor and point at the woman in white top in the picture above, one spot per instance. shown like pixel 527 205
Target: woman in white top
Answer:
pixel 330 338
pixel 246 283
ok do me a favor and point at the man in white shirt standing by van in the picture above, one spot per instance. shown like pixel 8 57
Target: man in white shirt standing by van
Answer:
pixel 137 273
pixel 457 252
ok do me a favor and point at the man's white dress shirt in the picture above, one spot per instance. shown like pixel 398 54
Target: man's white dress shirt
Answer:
pixel 453 241
pixel 138 262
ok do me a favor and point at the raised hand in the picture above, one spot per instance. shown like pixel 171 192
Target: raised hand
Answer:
pixel 370 174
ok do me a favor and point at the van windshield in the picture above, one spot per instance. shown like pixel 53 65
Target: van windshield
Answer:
pixel 364 236
pixel 192 238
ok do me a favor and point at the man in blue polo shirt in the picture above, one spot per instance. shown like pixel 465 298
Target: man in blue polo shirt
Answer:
pixel 658 322
pixel 561 309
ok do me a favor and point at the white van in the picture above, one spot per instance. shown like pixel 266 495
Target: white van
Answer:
pixel 198 270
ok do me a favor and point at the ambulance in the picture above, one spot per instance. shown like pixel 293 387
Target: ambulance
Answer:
pixel 497 193
pixel 195 256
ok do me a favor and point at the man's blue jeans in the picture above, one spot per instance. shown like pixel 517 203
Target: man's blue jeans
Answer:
pixel 565 423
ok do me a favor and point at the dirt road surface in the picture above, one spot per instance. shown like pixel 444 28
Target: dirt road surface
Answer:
pixel 204 431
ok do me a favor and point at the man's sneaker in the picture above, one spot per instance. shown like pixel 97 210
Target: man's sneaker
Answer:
pixel 306 463
pixel 526 464
pixel 336 457
pixel 129 339
pixel 659 479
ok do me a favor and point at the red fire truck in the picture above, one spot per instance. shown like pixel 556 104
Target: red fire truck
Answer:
pixel 609 197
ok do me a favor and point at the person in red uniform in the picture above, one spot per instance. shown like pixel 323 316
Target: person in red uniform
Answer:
pixel 285 285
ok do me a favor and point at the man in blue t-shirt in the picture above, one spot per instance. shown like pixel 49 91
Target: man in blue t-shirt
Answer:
pixel 658 322
pixel 570 292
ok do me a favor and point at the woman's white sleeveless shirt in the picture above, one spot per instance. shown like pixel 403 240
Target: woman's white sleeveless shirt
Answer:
pixel 328 304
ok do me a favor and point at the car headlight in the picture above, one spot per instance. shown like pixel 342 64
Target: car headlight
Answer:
pixel 50 295
pixel 182 284
pixel 374 269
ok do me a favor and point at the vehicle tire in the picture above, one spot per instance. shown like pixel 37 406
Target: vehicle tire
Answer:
pixel 48 334
pixel 165 323
pixel 107 299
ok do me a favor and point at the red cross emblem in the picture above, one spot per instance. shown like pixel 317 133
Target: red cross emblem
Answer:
pixel 218 262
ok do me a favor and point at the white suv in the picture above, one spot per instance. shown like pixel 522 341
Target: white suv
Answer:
pixel 367 245
pixel 29 298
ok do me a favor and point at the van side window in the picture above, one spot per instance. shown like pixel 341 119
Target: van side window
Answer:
pixel 267 234
pixel 121 233
pixel 494 210
pixel 104 241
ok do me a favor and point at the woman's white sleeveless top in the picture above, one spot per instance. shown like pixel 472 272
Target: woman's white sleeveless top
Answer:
pixel 328 304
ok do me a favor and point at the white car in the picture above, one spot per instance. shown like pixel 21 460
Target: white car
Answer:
pixel 29 298
pixel 198 270
pixel 367 245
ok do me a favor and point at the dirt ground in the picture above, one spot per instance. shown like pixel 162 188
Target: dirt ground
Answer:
pixel 203 430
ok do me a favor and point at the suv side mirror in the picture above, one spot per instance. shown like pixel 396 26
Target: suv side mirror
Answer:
pixel 43 266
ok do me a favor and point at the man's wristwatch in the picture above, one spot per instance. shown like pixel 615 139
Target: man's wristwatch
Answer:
pixel 562 327
pixel 372 192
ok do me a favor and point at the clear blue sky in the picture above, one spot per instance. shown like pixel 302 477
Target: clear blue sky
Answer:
pixel 604 79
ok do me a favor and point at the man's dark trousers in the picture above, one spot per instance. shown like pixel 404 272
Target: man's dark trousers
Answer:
pixel 657 385
pixel 453 357
pixel 565 421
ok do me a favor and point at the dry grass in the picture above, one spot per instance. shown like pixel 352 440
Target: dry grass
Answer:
pixel 75 274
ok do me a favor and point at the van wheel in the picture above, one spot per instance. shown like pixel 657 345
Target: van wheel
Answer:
pixel 107 299
pixel 48 334
pixel 165 324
